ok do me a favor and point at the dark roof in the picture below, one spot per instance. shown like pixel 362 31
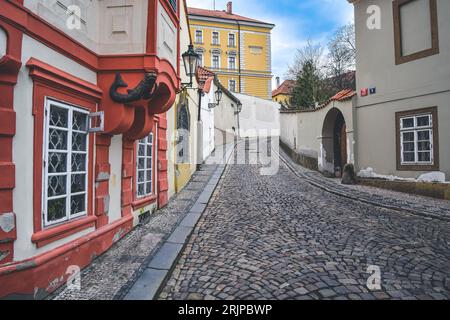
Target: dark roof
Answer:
pixel 286 87
pixel 221 15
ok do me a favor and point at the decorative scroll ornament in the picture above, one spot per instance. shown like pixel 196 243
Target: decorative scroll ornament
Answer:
pixel 143 91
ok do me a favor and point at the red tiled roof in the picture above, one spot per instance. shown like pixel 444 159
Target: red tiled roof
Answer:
pixel 203 75
pixel 221 15
pixel 343 95
pixel 285 88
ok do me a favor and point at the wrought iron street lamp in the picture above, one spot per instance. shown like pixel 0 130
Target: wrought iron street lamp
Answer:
pixel 190 60
pixel 218 95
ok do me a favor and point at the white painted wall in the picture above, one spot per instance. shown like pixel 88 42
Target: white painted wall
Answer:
pixel 3 42
pixel 225 120
pixel 115 181
pixel 23 147
pixel 259 117
pixel 167 36
pixel 207 116
pixel 107 26
pixel 303 132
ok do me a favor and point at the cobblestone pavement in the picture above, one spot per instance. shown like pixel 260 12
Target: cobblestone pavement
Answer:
pixel 279 237
pixel 111 275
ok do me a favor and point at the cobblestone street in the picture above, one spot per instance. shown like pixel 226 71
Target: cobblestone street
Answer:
pixel 280 237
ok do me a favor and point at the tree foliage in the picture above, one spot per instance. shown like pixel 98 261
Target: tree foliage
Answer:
pixel 318 75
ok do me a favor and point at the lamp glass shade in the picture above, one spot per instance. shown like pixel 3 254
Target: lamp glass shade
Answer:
pixel 190 60
pixel 218 94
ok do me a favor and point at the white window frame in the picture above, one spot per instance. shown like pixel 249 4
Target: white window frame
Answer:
pixel 229 62
pixel 234 40
pixel 69 217
pixel 229 85
pixel 415 130
pixel 201 36
pixel 218 38
pixel 153 176
pixel 212 60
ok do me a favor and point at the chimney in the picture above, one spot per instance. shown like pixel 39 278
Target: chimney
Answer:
pixel 278 82
pixel 230 7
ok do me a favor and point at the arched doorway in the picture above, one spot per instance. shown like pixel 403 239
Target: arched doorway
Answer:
pixel 334 143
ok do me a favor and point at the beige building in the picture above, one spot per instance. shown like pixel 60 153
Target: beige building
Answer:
pixel 398 122
pixel 403 103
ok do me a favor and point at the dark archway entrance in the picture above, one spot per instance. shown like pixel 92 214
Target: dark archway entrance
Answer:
pixel 334 143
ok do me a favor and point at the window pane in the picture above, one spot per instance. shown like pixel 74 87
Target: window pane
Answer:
pixel 141 151
pixel 141 163
pixel 149 150
pixel 79 121
pixel 408 146
pixel 424 156
pixel 424 146
pixel 78 162
pixel 57 140
pixel 78 183
pixel 78 204
pixel 56 186
pixel 78 141
pixel 149 175
pixel 149 163
pixel 408 136
pixel 408 157
pixel 141 176
pixel 58 117
pixel 149 188
pixel 141 189
pixel 423 135
pixel 408 123
pixel 56 209
pixel 423 121
pixel 57 162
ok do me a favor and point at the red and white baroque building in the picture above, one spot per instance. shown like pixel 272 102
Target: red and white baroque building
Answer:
pixel 83 131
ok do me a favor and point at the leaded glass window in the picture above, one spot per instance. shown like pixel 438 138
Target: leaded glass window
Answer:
pixel 65 164
pixel 144 170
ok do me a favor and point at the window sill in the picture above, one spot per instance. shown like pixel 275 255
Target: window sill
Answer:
pixel 47 236
pixel 140 203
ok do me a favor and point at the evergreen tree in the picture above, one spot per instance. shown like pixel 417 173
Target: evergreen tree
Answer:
pixel 308 89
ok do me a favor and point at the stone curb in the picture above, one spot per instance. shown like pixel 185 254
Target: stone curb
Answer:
pixel 150 282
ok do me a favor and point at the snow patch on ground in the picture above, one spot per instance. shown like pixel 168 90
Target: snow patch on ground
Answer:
pixel 370 173
pixel 432 177
pixel 427 177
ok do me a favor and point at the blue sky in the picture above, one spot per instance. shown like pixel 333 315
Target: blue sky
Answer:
pixel 296 21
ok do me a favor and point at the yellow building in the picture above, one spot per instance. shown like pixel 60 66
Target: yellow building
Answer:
pixel 283 93
pixel 236 48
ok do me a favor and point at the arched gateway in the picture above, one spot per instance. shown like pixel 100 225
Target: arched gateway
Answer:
pixel 334 147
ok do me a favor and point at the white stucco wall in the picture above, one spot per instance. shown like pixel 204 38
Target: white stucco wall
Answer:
pixel 259 117
pixel 303 132
pixel 23 144
pixel 3 42
pixel 115 181
pixel 107 26
pixel 207 116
